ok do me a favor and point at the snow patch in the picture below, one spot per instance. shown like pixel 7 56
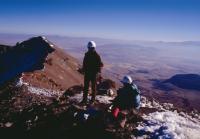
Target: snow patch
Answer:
pixel 167 124
pixel 153 104
pixel 104 99
pixel 44 92
pixel 38 91
pixel 8 124
pixel 43 68
pixel 100 98
pixel 20 82
pixel 77 97
pixel 50 44
pixel 170 124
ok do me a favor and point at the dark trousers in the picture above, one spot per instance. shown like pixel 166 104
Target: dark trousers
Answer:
pixel 87 79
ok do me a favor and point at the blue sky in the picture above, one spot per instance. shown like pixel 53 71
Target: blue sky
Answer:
pixel 166 20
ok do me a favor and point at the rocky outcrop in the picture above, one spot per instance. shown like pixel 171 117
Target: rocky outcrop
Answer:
pixel 39 63
pixel 23 57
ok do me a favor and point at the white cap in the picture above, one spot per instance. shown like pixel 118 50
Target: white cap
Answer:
pixel 127 79
pixel 91 44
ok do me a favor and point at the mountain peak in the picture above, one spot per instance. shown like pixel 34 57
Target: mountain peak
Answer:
pixel 36 42
pixel 38 57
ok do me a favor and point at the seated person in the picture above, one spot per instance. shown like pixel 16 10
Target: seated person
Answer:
pixel 128 96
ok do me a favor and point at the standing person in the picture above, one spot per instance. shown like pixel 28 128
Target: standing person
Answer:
pixel 92 65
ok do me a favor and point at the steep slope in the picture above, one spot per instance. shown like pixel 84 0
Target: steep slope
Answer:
pixel 40 64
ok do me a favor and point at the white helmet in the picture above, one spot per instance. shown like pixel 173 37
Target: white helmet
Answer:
pixel 91 44
pixel 127 79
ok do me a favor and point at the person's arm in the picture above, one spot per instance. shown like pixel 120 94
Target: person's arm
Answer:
pixel 84 63
pixel 135 89
pixel 100 63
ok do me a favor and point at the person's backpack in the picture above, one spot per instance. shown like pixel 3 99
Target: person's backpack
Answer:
pixel 135 89
pixel 136 101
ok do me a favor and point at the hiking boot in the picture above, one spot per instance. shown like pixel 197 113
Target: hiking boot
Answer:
pixel 135 111
pixel 122 122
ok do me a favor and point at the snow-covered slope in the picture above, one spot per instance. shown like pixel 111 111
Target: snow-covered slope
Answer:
pixel 170 125
pixel 164 123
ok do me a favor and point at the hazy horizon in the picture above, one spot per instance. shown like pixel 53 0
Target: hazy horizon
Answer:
pixel 89 37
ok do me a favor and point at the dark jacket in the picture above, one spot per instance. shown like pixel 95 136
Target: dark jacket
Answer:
pixel 128 97
pixel 92 62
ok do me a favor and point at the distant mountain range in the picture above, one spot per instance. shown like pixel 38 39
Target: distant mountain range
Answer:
pixel 185 81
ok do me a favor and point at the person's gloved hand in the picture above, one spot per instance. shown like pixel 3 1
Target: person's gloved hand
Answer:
pixel 81 70
pixel 99 78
